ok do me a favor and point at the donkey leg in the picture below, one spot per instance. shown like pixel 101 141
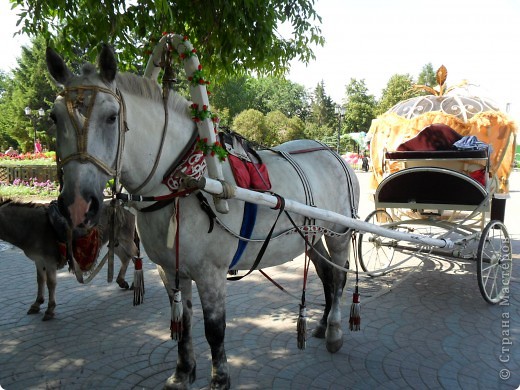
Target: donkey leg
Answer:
pixel 339 251
pixel 40 280
pixel 324 272
pixel 120 280
pixel 51 286
pixel 185 371
pixel 212 291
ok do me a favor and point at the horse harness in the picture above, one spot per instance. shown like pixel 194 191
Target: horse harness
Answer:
pixel 75 101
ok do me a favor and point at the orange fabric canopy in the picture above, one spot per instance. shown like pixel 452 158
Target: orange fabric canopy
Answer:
pixel 389 130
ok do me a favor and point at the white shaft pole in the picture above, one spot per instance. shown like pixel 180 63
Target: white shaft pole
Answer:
pixel 215 187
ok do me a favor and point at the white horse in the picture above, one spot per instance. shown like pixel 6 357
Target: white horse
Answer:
pixel 114 124
pixel 28 227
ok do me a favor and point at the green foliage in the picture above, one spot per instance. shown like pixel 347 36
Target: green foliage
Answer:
pixel 295 129
pixel 322 107
pixel 264 94
pixel 251 124
pixel 29 85
pixel 231 36
pixel 234 95
pixel 277 124
pixel 360 107
pixel 399 88
pixel 427 77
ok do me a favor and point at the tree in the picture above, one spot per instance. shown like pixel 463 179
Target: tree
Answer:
pixel 29 86
pixel 234 95
pixel 264 94
pixel 251 124
pixel 399 88
pixel 230 36
pixel 278 94
pixel 6 139
pixel 427 76
pixel 295 129
pixel 322 107
pixel 359 106
pixel 277 124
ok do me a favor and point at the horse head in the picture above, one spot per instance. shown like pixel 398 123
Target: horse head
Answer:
pixel 88 114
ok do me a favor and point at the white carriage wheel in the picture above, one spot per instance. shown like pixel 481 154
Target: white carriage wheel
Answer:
pixel 376 252
pixel 494 262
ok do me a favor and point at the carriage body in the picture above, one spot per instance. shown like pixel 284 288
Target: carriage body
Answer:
pixel 431 187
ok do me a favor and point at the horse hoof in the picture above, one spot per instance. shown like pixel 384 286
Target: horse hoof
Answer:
pixel 319 332
pixel 334 336
pixel 173 384
pixel 33 310
pixel 48 316
pixel 176 383
pixel 334 346
pixel 220 384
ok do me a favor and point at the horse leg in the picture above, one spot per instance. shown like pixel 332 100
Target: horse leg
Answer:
pixel 333 284
pixel 51 287
pixel 40 280
pixel 186 369
pixel 212 291
pixel 324 272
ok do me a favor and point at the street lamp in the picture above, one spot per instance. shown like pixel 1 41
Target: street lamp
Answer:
pixel 34 117
pixel 340 112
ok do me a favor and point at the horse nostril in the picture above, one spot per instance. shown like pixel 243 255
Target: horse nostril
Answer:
pixel 93 211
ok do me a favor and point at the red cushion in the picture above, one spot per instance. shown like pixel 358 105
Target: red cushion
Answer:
pixel 437 136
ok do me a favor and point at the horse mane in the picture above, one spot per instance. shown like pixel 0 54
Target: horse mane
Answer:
pixel 142 86
pixel 148 88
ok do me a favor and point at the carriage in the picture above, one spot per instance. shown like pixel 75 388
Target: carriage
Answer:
pixel 433 173
pixel 163 149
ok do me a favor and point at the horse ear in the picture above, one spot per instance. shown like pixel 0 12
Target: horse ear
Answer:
pixel 107 64
pixel 57 67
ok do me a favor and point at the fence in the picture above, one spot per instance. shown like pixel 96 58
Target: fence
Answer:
pixel 41 173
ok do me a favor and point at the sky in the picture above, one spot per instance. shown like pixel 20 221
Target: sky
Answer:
pixel 372 40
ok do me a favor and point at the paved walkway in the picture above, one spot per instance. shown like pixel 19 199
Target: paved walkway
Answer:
pixel 424 326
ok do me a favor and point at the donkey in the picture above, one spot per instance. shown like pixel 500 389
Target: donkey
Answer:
pixel 28 227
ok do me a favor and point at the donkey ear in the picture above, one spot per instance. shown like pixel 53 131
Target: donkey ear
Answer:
pixel 107 64
pixel 57 67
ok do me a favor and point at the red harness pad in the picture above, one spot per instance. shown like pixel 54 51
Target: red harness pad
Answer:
pixel 250 175
pixel 85 249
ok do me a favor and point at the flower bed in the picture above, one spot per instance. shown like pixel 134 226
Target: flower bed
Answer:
pixel 28 175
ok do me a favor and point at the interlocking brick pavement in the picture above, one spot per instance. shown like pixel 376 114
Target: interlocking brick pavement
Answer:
pixel 423 326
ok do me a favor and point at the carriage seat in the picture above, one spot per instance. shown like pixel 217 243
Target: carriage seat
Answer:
pixel 434 147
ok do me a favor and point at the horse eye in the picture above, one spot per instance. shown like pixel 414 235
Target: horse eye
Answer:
pixel 112 119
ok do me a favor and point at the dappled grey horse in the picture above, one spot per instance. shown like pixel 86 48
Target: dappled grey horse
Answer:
pixel 111 124
pixel 28 227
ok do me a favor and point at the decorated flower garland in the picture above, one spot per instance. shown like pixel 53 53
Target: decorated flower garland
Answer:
pixel 199 115
pixel 214 149
pixel 206 121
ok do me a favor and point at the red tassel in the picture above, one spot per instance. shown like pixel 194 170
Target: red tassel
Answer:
pixel 355 311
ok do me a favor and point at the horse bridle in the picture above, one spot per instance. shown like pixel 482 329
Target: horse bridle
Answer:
pixel 74 97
